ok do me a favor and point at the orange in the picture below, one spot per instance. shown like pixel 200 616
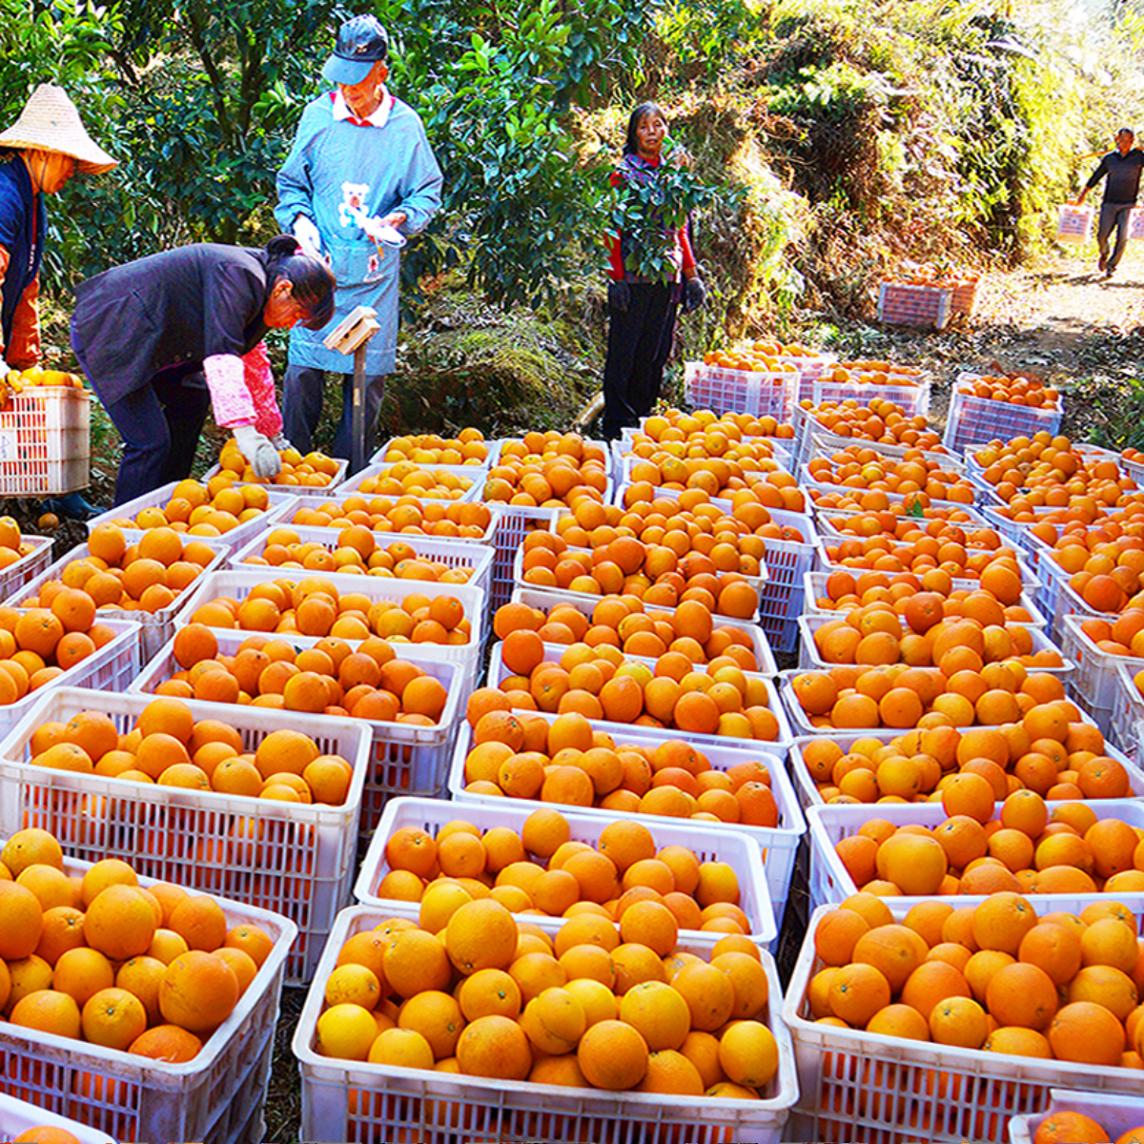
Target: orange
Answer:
pixel 612 1055
pixel 1086 1033
pixel 494 1046
pixel 198 991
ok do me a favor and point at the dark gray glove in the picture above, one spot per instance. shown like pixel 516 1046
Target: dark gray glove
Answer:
pixel 619 297
pixel 694 294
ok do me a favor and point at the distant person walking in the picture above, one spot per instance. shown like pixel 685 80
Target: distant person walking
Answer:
pixel 360 177
pixel 1122 169
pixel 642 305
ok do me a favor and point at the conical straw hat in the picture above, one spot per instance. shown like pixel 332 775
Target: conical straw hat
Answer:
pixel 50 122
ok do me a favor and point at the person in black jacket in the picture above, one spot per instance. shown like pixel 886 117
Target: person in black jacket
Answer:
pixel 165 336
pixel 1122 169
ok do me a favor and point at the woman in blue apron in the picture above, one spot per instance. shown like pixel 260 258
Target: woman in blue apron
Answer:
pixel 360 176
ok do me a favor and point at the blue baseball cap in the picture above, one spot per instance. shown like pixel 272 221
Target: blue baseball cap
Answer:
pixel 361 42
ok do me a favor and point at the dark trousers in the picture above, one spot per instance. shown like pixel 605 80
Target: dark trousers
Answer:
pixel 1113 215
pixel 639 343
pixel 160 425
pixel 303 390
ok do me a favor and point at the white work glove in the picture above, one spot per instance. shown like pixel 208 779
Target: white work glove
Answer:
pixel 307 234
pixel 281 442
pixel 259 452
pixel 382 230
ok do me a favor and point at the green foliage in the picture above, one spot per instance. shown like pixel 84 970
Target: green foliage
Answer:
pixel 650 213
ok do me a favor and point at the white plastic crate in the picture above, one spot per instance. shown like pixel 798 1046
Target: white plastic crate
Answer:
pixel 1018 532
pixel 816 590
pixel 19 572
pixel 1074 223
pixel 238 583
pixel 737 850
pixel 497 670
pixel 1094 681
pixel 830 881
pixel 385 536
pixel 802 725
pixel 295 859
pixel 1057 600
pixel 810 369
pixel 808 793
pixel 756 392
pixel 1117 1115
pixel 441 550
pixel 404 758
pixel 321 490
pixel 45 442
pixel 1127 711
pixel 877 1089
pixel 778 843
pixel 817 440
pixel 782 449
pixel 566 595
pixel 491 457
pixel 913 399
pixel 512 524
pixel 904 304
pixel 18 1115
pixel 978 420
pixel 363 1102
pixel 216 1097
pixel 281 504
pixel 537 598
pixel 1029 582
pixel 108 668
pixel 830 522
pixel 807 483
pixel 553 596
pixel 156 628
pixel 471 473
pixel 809 658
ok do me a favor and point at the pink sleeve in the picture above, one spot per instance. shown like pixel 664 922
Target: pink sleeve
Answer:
pixel 260 385
pixel 230 398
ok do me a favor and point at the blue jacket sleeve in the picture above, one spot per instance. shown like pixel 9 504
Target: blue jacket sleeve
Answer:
pixel 421 186
pixel 295 185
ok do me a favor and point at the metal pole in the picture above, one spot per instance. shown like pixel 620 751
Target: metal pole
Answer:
pixel 358 450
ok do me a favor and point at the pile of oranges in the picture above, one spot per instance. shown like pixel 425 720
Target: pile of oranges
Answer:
pixel 1048 751
pixel 1121 637
pixel 718 477
pixel 980 849
pixel 874 634
pixel 856 467
pixel 314 470
pixel 649 572
pixel 762 357
pixel 692 522
pixel 313 606
pixel 923 546
pixel 168 746
pixel 549 470
pixel 621 622
pixel 538 867
pixel 1015 390
pixel 147 575
pixel 871 373
pixel 687 428
pixel 1028 472
pixel 594 1006
pixel 567 761
pixel 213 509
pixel 599 684
pixel 467 448
pixel 401 514
pixel 365 681
pixel 846 591
pixel 996 976
pixel 404 478
pixel 356 550
pixel 99 958
pixel 881 421
pixel 38 645
pixel 1103 562
pixel 899 695
pixel 12 544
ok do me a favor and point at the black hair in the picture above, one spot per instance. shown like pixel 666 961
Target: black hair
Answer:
pixel 1127 131
pixel 313 284
pixel 631 143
